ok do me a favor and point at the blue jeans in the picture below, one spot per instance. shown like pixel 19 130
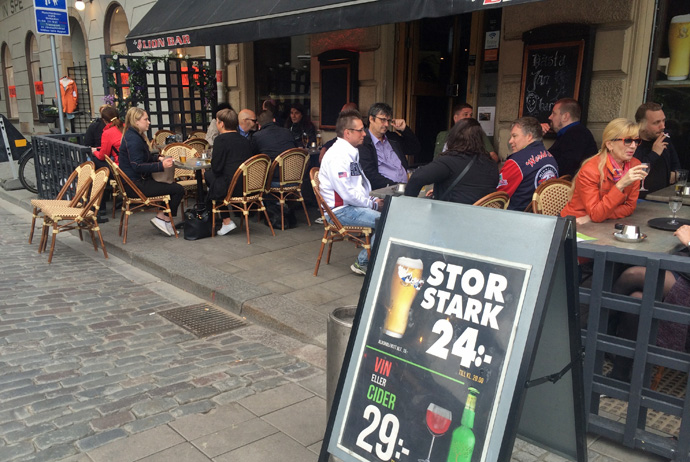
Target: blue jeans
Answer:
pixel 350 215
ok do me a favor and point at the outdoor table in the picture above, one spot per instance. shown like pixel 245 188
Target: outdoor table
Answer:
pixel 198 165
pixel 663 194
pixel 381 193
pixel 657 240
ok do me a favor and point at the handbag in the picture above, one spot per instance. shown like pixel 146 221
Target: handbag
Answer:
pixel 197 223
pixel 166 176
pixel 457 179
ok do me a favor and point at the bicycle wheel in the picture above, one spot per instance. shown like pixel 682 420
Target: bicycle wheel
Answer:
pixel 27 171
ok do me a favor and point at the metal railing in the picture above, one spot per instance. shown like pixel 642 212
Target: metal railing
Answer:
pixel 646 355
pixel 55 158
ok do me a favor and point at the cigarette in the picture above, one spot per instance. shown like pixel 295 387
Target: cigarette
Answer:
pixel 667 135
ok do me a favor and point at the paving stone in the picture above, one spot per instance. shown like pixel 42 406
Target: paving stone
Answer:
pixel 195 394
pixel 17 450
pixel 85 415
pixel 63 435
pixel 48 404
pixel 137 446
pixel 194 426
pixel 233 395
pixel 147 423
pixel 28 433
pixel 153 406
pixel 235 436
pixel 278 398
pixel 95 441
pixel 192 408
pixel 52 454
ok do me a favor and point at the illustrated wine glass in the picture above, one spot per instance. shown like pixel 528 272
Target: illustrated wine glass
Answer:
pixel 646 169
pixel 438 421
pixel 675 203
pixel 305 140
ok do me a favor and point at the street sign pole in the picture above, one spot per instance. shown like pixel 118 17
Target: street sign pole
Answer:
pixel 51 18
pixel 57 84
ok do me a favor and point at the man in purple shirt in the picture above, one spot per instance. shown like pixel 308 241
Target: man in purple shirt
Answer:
pixel 383 154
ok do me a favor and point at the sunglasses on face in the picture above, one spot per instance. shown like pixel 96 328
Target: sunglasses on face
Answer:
pixel 628 141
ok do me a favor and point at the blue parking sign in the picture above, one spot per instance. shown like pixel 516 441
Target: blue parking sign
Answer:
pixel 51 17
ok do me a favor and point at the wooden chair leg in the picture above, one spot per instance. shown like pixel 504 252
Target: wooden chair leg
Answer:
pixel 282 214
pixel 93 239
pixel 122 218
pixel 330 248
pixel 324 240
pixel 267 219
pixel 44 237
pixel 304 206
pixel 33 224
pixel 172 222
pixel 213 220
pixel 246 224
pixel 52 243
pixel 100 238
pixel 124 233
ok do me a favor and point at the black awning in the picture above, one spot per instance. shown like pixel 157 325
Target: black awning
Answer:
pixel 175 23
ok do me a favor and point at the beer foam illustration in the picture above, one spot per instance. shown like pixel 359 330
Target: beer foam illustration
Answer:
pixel 410 263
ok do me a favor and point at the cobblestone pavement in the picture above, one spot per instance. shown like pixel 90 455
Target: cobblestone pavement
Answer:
pixel 85 359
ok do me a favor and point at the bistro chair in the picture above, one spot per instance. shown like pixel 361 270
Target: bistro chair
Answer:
pixel 200 145
pixel 566 178
pixel 82 175
pixel 551 196
pixel 252 173
pixel 183 176
pixel 76 217
pixel 160 137
pixel 333 230
pixel 197 134
pixel 137 200
pixel 291 166
pixel 495 200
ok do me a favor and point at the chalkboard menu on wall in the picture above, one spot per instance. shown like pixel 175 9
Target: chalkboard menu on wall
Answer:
pixel 550 71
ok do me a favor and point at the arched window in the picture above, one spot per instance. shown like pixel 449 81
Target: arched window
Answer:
pixel 33 65
pixel 116 29
pixel 8 79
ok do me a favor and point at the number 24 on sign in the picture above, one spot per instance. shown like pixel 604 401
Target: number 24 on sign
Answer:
pixel 464 347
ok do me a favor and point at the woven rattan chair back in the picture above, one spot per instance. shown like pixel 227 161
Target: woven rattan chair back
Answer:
pixel 175 150
pixel 291 166
pixel 252 173
pixel 197 134
pixel 82 176
pixel 551 196
pixel 160 136
pixel 200 145
pixel 333 230
pixel 76 217
pixel 495 200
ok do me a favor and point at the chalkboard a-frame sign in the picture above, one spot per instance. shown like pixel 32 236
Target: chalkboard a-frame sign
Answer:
pixel 550 71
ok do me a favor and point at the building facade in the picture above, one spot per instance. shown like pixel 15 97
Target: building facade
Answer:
pixel 422 68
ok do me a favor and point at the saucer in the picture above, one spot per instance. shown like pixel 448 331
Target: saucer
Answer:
pixel 624 238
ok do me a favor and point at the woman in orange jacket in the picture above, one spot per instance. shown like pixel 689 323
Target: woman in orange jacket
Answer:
pixel 608 183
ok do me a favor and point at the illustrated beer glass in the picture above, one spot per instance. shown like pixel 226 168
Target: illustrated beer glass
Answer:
pixel 406 280
pixel 679 47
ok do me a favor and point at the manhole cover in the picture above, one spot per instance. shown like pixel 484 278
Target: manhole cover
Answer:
pixel 203 320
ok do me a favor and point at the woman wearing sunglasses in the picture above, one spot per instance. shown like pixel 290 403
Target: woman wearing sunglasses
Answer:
pixel 608 183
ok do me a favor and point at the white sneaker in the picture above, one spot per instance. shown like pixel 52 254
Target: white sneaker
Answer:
pixel 225 229
pixel 319 221
pixel 160 225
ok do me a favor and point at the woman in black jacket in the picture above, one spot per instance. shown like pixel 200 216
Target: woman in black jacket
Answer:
pixel 299 123
pixel 137 162
pixel 464 145
pixel 230 149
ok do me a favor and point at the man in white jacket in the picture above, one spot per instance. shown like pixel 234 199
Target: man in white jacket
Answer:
pixel 344 186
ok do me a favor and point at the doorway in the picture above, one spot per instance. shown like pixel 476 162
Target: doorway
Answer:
pixel 437 59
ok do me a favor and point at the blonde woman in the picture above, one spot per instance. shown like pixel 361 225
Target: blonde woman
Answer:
pixel 137 162
pixel 608 183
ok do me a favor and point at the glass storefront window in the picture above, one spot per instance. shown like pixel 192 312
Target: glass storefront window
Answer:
pixel 670 81
pixel 282 73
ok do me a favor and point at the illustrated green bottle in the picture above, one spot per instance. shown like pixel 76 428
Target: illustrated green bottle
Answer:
pixel 462 441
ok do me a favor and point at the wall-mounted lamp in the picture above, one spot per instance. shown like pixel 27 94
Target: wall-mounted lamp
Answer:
pixel 79 4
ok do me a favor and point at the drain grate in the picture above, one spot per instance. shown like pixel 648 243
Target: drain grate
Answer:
pixel 203 320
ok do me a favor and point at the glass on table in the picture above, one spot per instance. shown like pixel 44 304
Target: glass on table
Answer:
pixel 681 180
pixel 675 203
pixel 645 166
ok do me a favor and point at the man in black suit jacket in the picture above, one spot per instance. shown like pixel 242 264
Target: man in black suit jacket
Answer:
pixel 574 142
pixel 383 153
pixel 270 139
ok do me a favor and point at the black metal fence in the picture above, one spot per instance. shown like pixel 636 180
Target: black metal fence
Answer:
pixel 55 158
pixel 177 93
pixel 633 428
